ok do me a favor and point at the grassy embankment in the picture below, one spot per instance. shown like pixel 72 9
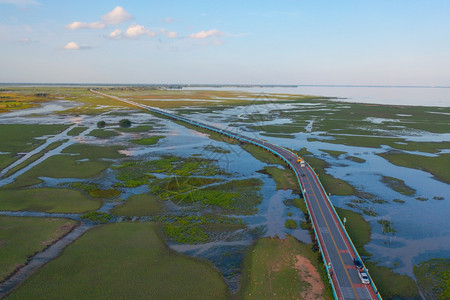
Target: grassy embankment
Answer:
pixel 437 166
pixel 125 260
pixel 21 238
pixel 433 278
pixel 19 138
pixel 76 161
pixel 104 134
pixel 282 269
pixel 47 200
pixel 139 205
pixel 398 185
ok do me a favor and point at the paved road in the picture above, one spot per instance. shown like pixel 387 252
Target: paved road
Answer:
pixel 336 247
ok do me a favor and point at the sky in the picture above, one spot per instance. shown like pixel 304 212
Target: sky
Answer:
pixel 231 42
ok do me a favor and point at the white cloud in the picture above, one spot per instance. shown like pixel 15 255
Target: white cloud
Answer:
pixel 168 20
pixel 20 2
pixel 72 46
pixel 117 15
pixel 205 34
pixel 116 34
pixel 78 25
pixel 169 34
pixel 137 30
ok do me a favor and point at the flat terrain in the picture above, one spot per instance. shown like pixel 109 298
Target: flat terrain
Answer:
pixel 124 261
pixel 21 238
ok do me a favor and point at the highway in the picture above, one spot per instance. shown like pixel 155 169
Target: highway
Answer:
pixel 335 245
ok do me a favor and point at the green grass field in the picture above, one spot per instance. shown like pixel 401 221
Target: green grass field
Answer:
pixel 438 166
pixel 331 184
pixel 284 178
pixel 104 134
pixel 398 185
pixel 76 161
pixel 47 200
pixel 152 140
pixel 333 153
pixel 358 228
pixel 20 238
pixel 282 269
pixel 139 205
pixel 123 261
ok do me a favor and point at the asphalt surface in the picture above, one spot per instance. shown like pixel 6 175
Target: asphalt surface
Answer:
pixel 336 247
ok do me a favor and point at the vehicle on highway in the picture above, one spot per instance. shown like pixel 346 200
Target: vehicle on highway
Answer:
pixel 364 277
pixel 358 264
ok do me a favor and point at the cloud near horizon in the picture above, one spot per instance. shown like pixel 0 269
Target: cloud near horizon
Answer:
pixel 75 46
pixel 93 25
pixel 133 31
pixel 117 15
pixel 205 34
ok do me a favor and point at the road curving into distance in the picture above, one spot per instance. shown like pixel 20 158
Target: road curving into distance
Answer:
pixel 335 244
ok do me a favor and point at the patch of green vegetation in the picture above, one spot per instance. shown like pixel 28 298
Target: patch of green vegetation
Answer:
pixel 130 261
pixel 216 149
pixel 283 269
pixel 21 238
pixel 379 201
pixel 331 184
pixel 262 154
pixel 47 200
pixel 399 201
pixel 357 228
pixel 17 138
pixel 359 141
pixel 398 185
pixel 438 166
pixel 279 135
pixel 430 147
pixel 185 233
pixel 290 224
pixel 233 196
pixel 356 159
pixel 369 211
pixel 404 287
pixel 83 161
pixel 139 205
pixel 34 157
pixel 125 123
pixel 104 134
pixel 298 203
pixel 284 178
pixel 302 152
pixel 333 153
pixel 438 198
pixel 97 217
pixel 139 128
pixel 152 140
pixel 289 214
pixel 433 278
pixel 93 190
pixel 76 130
pixel 386 226
pixel 421 199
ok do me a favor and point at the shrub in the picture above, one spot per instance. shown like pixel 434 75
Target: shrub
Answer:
pixel 101 124
pixel 125 123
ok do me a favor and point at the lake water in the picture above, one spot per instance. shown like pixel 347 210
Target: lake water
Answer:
pixel 417 96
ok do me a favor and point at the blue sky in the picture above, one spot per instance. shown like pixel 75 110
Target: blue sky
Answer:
pixel 265 42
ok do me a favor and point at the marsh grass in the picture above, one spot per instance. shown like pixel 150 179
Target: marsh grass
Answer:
pixel 21 238
pixel 124 260
pixel 47 200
